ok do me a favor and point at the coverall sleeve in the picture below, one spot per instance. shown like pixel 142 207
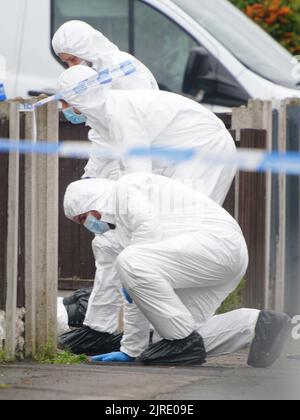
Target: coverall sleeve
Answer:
pixel 106 299
pixel 98 167
pixel 128 132
pixel 136 331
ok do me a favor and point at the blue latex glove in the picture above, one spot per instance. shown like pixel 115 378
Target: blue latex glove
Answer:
pixel 113 357
pixel 127 296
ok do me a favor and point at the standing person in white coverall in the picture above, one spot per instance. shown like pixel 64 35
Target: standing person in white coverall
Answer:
pixel 139 118
pixel 181 255
pixel 76 42
pixel 128 119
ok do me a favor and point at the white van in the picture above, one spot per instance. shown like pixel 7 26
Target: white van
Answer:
pixel 204 48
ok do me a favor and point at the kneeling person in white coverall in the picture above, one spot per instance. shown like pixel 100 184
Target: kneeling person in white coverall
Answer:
pixel 181 255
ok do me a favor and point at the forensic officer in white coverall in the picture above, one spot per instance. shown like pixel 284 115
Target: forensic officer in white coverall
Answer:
pixel 140 118
pixel 155 119
pixel 181 255
pixel 76 42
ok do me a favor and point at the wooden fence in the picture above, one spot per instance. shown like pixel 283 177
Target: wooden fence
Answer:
pixel 29 231
pixel 267 208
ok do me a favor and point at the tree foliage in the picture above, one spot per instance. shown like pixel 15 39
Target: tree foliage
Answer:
pixel 280 18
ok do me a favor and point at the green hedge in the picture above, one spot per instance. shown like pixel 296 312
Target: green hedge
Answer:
pixel 280 18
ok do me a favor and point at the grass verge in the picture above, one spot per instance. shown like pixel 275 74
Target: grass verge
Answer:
pixel 2 356
pixel 60 358
pixel 234 301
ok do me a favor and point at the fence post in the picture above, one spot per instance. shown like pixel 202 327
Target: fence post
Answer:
pixel 30 245
pixel 279 292
pixel 292 219
pixel 47 232
pixel 42 236
pixel 4 133
pixel 252 204
pixel 12 235
pixel 259 116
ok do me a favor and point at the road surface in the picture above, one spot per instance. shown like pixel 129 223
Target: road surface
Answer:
pixel 226 378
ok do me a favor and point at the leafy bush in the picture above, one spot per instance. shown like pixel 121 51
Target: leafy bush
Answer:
pixel 280 18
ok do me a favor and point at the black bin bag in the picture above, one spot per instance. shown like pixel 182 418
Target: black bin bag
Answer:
pixel 76 306
pixel 81 339
pixel 89 342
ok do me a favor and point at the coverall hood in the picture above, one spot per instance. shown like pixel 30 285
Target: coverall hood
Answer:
pixel 87 195
pixel 89 101
pixel 83 41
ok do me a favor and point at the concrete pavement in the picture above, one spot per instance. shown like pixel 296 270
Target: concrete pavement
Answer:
pixel 224 378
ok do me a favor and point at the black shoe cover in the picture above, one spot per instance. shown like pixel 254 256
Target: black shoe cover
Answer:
pixel 189 351
pixel 89 342
pixel 270 335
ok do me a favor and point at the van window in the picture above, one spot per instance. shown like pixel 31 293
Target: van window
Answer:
pixel 111 17
pixel 153 38
pixel 162 46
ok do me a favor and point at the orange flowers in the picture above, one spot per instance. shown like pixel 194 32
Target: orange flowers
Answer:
pixel 280 18
pixel 269 12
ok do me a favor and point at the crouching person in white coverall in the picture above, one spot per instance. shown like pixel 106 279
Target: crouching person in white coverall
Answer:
pixel 181 256
pixel 76 42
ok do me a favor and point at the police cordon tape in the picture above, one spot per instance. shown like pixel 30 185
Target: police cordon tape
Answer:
pixel 251 160
pixel 245 159
pixel 104 77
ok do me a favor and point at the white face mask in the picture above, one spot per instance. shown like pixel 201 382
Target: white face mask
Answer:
pixel 96 226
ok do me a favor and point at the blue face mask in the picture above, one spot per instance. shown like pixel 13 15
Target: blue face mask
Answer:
pixel 74 118
pixel 96 226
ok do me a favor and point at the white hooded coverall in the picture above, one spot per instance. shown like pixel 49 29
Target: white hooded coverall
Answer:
pixel 181 256
pixel 134 119
pixel 83 41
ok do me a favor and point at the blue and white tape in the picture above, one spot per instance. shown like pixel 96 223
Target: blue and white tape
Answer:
pixel 252 160
pixel 104 77
pixel 26 107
